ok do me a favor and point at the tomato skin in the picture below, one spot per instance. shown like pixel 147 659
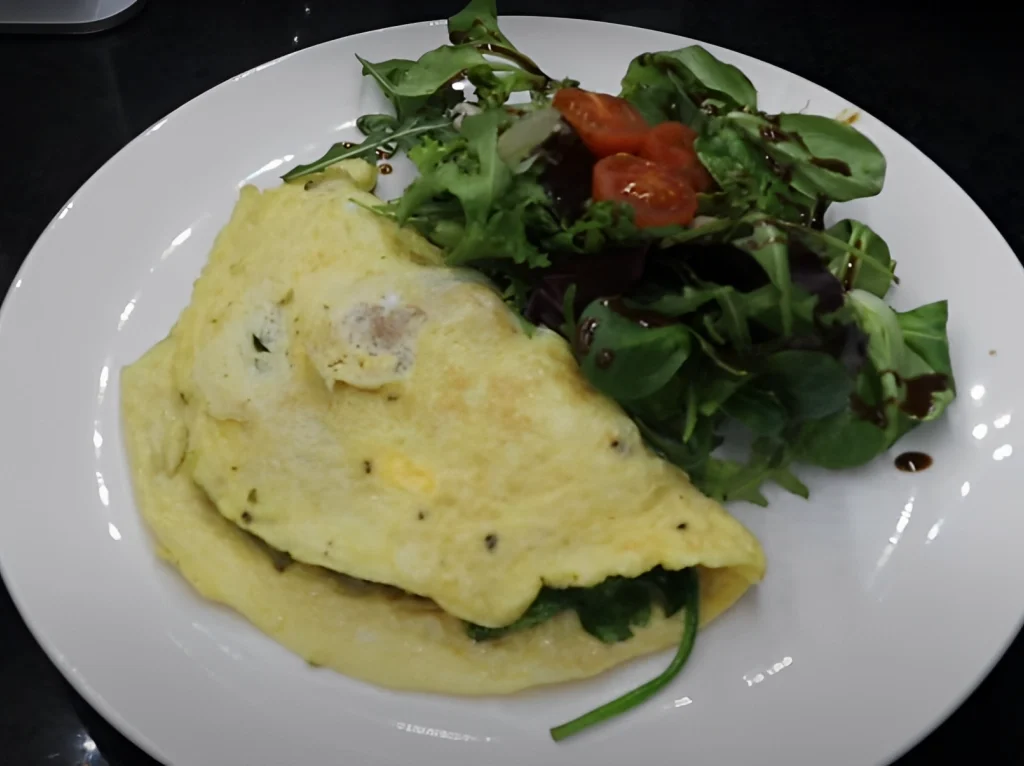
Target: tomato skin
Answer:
pixel 658 196
pixel 606 124
pixel 670 144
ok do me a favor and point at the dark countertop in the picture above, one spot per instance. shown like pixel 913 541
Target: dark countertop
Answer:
pixel 943 79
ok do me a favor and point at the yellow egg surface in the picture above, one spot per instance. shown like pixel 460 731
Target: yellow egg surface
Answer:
pixel 336 392
pixel 367 632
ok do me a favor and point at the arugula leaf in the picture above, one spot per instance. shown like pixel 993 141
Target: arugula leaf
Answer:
pixel 477 23
pixel 769 245
pixel 433 70
pixel 388 74
pixel 383 139
pixel 855 254
pixel 730 481
pixel 746 174
pixel 690 454
pixel 493 89
pixel 474 174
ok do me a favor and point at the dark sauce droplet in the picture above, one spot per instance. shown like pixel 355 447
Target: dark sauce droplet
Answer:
pixel 605 358
pixel 920 389
pixel 913 462
pixel 585 334
pixel 386 169
pixel 832 165
pixel 773 134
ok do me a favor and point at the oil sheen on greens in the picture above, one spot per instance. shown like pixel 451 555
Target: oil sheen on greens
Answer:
pixel 760 320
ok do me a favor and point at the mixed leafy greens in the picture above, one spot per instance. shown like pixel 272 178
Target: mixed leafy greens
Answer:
pixel 754 314
pixel 745 314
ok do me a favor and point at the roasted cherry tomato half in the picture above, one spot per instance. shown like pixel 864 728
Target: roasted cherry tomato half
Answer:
pixel 658 196
pixel 670 145
pixel 606 124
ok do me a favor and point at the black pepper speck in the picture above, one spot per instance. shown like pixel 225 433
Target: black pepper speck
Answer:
pixel 246 517
pixel 253 495
pixel 367 466
pixel 681 526
pixel 491 541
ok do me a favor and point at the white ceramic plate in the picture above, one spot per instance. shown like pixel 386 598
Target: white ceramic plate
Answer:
pixel 888 595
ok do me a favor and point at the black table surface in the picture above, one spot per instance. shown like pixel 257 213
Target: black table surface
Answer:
pixel 948 80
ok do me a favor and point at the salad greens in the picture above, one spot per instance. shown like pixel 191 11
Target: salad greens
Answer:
pixel 756 319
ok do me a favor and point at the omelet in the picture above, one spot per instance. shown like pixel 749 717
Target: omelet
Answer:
pixel 335 393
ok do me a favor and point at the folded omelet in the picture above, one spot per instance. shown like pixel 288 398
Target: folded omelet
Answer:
pixel 332 392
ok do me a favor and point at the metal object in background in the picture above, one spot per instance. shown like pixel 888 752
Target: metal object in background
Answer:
pixel 64 16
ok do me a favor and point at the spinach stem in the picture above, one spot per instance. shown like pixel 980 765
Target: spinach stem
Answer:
pixel 642 693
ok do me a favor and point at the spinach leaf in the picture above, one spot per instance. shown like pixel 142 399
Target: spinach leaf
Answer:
pixel 809 384
pixel 625 359
pixel 715 78
pixel 822 157
pixel 688 600
pixel 924 332
pixel 608 610
pixel 676 85
pixel 842 440
pixel 759 409
pixel 549 603
pixel 658 94
pixel 664 404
